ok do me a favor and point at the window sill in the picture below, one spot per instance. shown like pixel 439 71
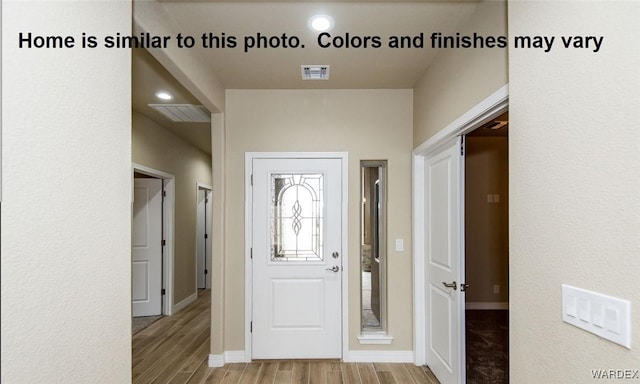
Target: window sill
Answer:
pixel 377 338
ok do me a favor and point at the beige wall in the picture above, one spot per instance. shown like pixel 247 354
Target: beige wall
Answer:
pixel 66 198
pixel 458 79
pixel 575 185
pixel 368 124
pixel 158 148
pixel 486 224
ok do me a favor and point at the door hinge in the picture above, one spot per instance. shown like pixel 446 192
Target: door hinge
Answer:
pixel 206 271
pixel 206 236
pixel 206 201
pixel 164 193
pixel 251 327
pixel 163 291
pixel 164 242
pixel 252 180
pixel 462 146
pixel 251 253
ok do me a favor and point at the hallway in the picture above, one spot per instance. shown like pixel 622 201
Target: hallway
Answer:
pixel 175 349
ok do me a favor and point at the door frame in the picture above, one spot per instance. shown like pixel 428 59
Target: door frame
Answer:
pixel 168 229
pixel 248 238
pixel 208 225
pixel 487 109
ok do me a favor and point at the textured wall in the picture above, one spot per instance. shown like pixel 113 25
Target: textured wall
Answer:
pixel 66 208
pixel 574 158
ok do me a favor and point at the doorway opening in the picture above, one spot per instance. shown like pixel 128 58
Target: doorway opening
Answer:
pixel 486 222
pixel 163 289
pixel 439 243
pixel 203 237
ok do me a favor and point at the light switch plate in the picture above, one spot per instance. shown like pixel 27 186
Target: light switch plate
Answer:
pixel 606 316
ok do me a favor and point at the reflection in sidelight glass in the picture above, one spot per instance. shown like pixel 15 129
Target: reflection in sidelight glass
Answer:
pixel 373 244
pixel 296 217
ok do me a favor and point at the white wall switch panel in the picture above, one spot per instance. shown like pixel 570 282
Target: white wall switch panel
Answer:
pixel 399 245
pixel 606 316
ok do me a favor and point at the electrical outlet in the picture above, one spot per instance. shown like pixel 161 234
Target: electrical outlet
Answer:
pixel 496 288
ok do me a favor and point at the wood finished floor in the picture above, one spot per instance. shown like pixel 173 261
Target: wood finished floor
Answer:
pixel 175 350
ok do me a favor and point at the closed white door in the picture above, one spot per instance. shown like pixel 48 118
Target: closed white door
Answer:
pixel 297 261
pixel 146 244
pixel 444 263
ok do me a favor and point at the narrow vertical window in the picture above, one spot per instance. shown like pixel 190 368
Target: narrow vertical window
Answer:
pixel 373 245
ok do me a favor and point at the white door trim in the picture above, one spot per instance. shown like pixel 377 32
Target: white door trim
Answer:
pixel 487 109
pixel 248 277
pixel 168 225
pixel 208 256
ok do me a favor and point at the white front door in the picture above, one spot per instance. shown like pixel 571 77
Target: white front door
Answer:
pixel 444 263
pixel 146 248
pixel 297 258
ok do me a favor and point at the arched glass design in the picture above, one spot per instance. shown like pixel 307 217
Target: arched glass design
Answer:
pixel 296 217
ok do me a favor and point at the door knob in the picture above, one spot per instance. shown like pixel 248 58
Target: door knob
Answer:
pixel 451 285
pixel 464 287
pixel 335 268
pixel 335 255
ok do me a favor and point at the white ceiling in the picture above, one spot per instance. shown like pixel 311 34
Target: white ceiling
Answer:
pixel 279 68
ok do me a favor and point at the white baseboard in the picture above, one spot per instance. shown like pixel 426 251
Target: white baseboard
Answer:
pixel 379 357
pixel 488 305
pixel 184 303
pixel 216 361
pixel 354 357
pixel 235 357
pixel 227 357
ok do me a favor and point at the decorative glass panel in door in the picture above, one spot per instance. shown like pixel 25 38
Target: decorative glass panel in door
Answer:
pixel 296 217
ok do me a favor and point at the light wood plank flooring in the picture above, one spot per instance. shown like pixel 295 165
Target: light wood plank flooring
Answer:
pixel 175 350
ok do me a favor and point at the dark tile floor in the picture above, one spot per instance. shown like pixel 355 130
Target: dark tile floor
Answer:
pixel 487 333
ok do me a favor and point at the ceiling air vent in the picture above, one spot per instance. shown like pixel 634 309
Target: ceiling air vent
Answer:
pixel 183 113
pixel 315 72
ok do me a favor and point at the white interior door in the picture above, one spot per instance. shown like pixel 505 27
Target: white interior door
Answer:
pixel 444 263
pixel 297 258
pixel 146 252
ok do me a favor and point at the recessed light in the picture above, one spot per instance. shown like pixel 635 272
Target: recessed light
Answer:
pixel 163 95
pixel 321 23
